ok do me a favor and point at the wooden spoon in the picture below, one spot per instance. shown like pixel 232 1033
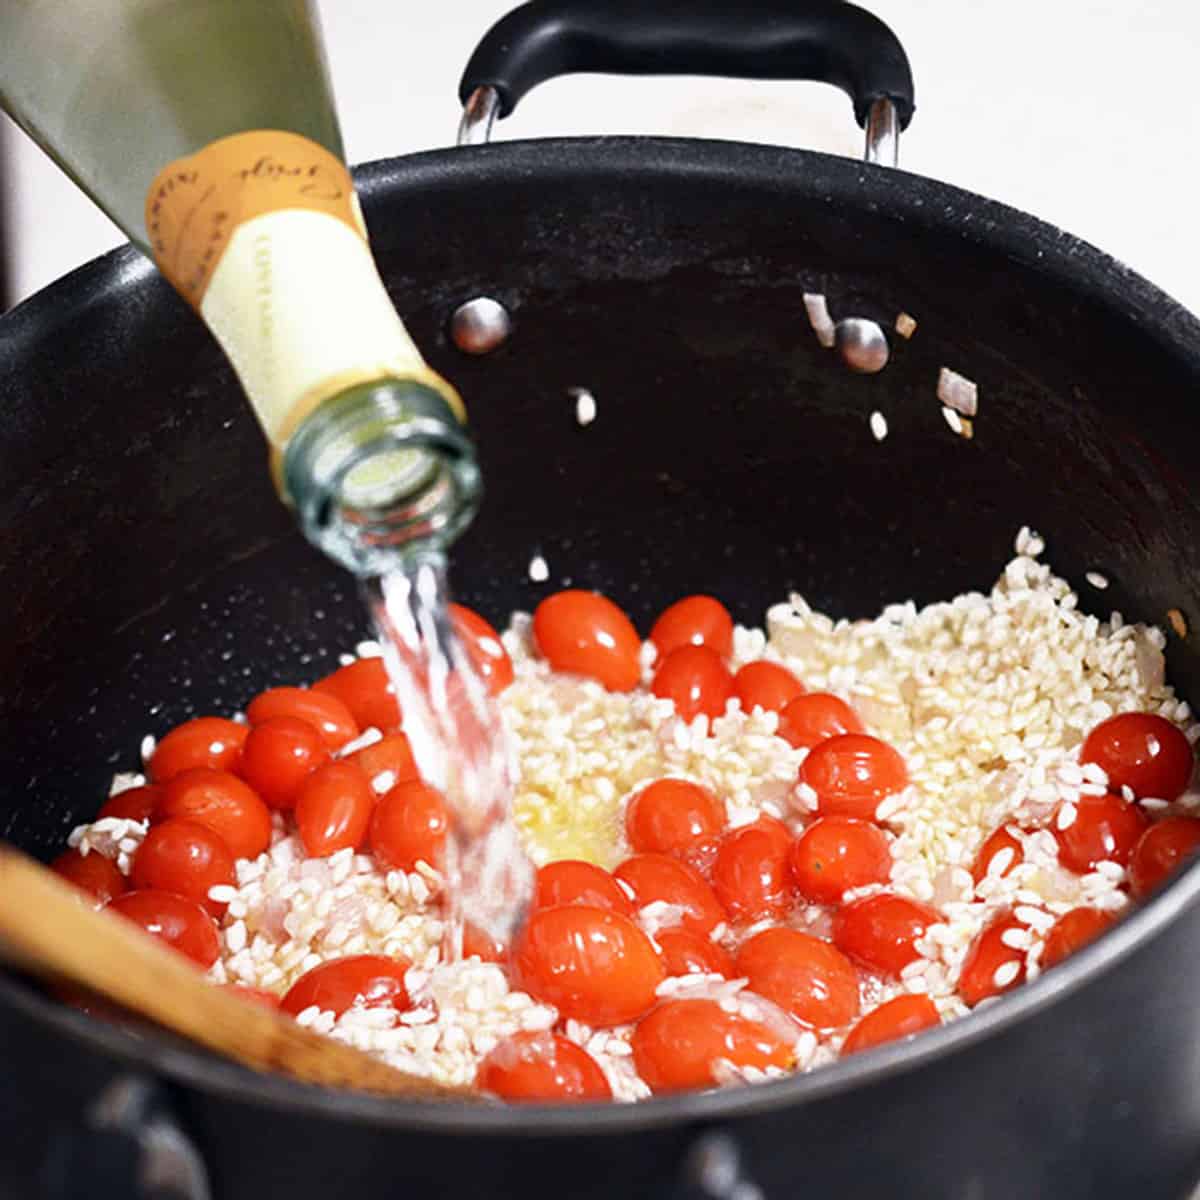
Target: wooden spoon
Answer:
pixel 46 930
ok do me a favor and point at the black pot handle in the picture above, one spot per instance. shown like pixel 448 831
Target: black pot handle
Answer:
pixel 825 40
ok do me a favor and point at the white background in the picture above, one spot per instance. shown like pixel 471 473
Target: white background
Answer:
pixel 1085 113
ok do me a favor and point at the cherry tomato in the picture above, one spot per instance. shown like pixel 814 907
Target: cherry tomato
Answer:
pixel 879 931
pixel 1106 828
pixel 133 804
pixel 368 980
pixel 998 840
pixel 658 877
pixel 364 688
pixel 1143 752
pixel 91 873
pixel 225 804
pixel 891 1021
pixel 182 923
pixel 837 853
pixel 590 963
pixel 541 1066
pixel 1072 931
pixel 694 621
pixel 478 943
pixel 670 814
pixel 805 976
pixel 695 680
pixel 186 858
pixel 409 826
pixel 687 953
pixel 678 1045
pixel 852 773
pixel 1163 848
pixel 277 757
pixel 750 876
pixel 392 753
pixel 328 715
pixel 815 717
pixel 333 809
pixel 587 634
pixel 988 968
pixel 571 881
pixel 484 648
pixel 202 742
pixel 254 995
pixel 766 685
pixel 701 854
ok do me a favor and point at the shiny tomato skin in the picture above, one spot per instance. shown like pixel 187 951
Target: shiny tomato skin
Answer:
pixel 1143 752
pixel 694 621
pixel 658 877
pixel 835 854
pixel 879 931
pixel 585 633
pixel 807 977
pixel 766 685
pixel 999 839
pixel 695 680
pixel 542 1067
pixel 326 713
pixel 685 952
pixel 1072 931
pixel 815 717
pixel 181 923
pixel 750 875
pixel 364 688
pixel 1160 851
pixel 333 809
pixel 483 647
pixel 392 753
pixel 133 804
pixel 478 943
pixel 93 874
pixel 668 815
pixel 409 825
pixel 898 1018
pixel 224 803
pixel 572 881
pixel 1105 828
pixel 852 773
pixel 278 756
pixel 200 742
pixel 369 980
pixel 988 954
pixel 186 858
pixel 592 964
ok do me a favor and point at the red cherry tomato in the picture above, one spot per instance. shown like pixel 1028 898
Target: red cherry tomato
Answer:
pixel 695 680
pixel 254 995
pixel 368 980
pixel 1160 851
pixel 333 809
pixel 991 965
pixel 484 648
pixel 1106 828
pixel 686 953
pixel 837 853
pixel 202 742
pixel 678 1045
pixel 587 634
pixel 891 1021
pixel 364 688
pixel 1072 931
pixel 590 963
pixel 542 1066
pixel 328 715
pixel 182 923
pixel 391 753
pixel 766 685
pixel 852 773
pixel 186 858
pixel 998 840
pixel 694 621
pixel 478 943
pixel 277 757
pixel 816 717
pixel 91 873
pixel 1142 752
pixel 133 804
pixel 670 814
pixel 225 804
pixel 805 976
pixel 879 931
pixel 658 877
pixel 409 826
pixel 570 881
pixel 750 875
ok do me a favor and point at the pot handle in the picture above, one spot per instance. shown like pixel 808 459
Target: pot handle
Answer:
pixel 824 40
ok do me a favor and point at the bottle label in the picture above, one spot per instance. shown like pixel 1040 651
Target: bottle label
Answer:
pixel 262 233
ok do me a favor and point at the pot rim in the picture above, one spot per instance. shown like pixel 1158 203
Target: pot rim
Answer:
pixel 912 199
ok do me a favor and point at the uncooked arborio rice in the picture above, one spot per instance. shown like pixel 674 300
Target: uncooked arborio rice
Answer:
pixel 987 696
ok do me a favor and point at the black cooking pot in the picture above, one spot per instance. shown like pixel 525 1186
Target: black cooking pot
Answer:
pixel 149 573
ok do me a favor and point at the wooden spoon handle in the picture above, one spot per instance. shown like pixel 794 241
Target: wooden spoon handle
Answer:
pixel 47 931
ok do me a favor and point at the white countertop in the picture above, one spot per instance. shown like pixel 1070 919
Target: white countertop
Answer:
pixel 1080 111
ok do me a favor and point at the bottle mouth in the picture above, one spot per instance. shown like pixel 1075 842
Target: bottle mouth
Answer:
pixel 381 472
